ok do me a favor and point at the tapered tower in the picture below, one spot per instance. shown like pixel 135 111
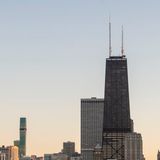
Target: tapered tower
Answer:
pixel 116 98
pixel 116 121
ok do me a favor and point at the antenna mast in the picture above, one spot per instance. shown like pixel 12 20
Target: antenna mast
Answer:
pixel 122 47
pixel 110 47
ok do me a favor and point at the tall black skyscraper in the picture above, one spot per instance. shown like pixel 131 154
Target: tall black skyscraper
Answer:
pixel 114 126
pixel 22 141
pixel 119 142
pixel 117 120
pixel 116 110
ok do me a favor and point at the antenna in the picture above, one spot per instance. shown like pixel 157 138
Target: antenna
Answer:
pixel 122 47
pixel 110 47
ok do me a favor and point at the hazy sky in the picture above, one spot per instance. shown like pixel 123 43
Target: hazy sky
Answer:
pixel 52 53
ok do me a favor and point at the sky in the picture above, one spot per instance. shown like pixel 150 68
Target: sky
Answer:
pixel 52 54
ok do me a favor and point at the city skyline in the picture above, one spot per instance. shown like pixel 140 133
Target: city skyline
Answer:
pixel 49 48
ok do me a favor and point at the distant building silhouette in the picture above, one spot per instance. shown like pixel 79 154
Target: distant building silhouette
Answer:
pixel 158 155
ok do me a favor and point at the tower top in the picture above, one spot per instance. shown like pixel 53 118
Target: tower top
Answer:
pixel 110 41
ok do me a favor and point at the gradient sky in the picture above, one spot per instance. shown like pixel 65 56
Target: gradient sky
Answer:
pixel 52 53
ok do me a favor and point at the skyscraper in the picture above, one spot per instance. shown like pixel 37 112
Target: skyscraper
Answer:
pixel 116 120
pixel 116 99
pixel 22 141
pixel 119 140
pixel 107 122
pixel 91 126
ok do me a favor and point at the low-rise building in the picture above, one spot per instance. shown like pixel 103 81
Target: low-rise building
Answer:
pixel 56 156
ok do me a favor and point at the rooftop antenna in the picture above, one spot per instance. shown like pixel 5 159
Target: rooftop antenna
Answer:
pixel 122 45
pixel 110 47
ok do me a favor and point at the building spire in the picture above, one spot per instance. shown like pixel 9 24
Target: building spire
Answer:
pixel 122 45
pixel 110 47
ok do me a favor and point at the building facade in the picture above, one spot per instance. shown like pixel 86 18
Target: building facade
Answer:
pixel 133 146
pixel 91 126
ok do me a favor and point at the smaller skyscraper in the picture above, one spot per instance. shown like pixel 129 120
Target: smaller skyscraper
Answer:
pixel 91 126
pixel 22 141
pixel 69 148
pixel 133 146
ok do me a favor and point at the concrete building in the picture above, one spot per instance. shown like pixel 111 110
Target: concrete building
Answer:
pixel 91 126
pixel 68 148
pixel 133 146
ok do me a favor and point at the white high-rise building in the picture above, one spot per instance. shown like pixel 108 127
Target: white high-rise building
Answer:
pixel 133 146
pixel 91 126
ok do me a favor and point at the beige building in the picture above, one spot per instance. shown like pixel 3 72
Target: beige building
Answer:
pixel 13 153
